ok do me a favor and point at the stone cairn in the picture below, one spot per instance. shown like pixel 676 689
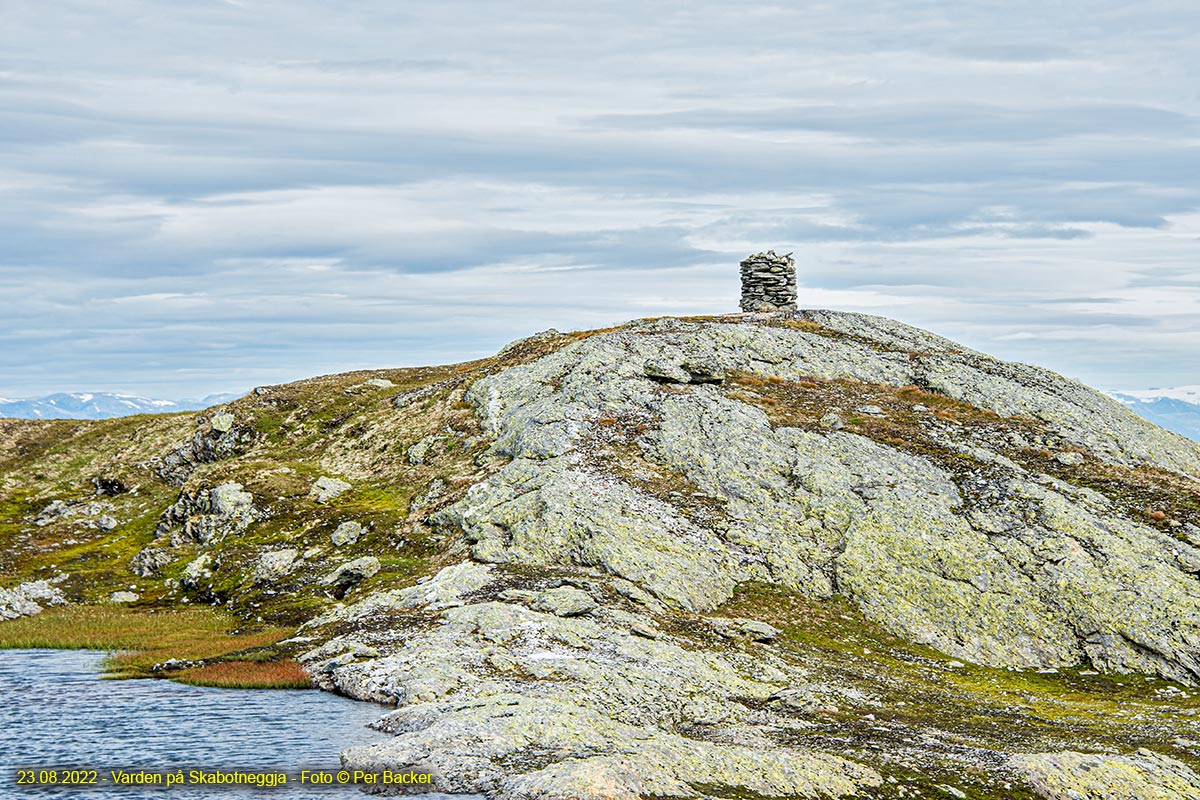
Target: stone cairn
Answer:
pixel 769 282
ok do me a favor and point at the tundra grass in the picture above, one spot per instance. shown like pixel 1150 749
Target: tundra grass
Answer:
pixel 144 641
pixel 283 674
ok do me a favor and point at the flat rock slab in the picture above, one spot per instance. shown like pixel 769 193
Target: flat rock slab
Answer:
pixel 1143 775
pixel 325 489
pixel 565 601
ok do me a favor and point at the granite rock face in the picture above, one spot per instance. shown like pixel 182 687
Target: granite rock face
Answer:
pixel 1043 574
pixel 801 554
pixel 637 486
pixel 558 696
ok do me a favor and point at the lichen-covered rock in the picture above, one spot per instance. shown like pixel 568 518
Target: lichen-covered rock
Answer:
pixel 213 440
pixel 223 422
pixel 326 488
pixel 150 560
pixel 29 598
pixel 1144 775
pixel 346 533
pixel 350 574
pixel 274 564
pixel 420 452
pixel 1032 571
pixel 681 535
pixel 446 589
pixel 197 571
pixel 478 748
pixel 208 515
pixel 545 513
pixel 95 514
pixel 745 629
pixel 603 700
pixel 1092 419
pixel 634 678
pixel 565 601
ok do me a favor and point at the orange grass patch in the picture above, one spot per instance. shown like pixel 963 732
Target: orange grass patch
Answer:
pixel 139 638
pixel 285 674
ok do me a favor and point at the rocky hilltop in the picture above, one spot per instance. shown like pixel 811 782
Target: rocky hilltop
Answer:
pixel 813 554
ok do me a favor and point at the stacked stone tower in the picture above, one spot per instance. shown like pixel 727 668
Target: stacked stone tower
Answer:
pixel 769 282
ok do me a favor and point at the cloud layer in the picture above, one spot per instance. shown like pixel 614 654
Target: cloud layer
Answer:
pixel 206 196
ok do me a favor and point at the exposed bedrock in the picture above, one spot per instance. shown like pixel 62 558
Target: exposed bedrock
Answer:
pixel 1042 574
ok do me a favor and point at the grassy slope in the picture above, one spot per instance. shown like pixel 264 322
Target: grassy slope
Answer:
pixel 301 431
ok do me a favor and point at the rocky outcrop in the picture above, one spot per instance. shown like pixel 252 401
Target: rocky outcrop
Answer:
pixel 214 439
pixel 274 564
pixel 149 561
pixel 94 514
pixel 689 558
pixel 351 574
pixel 600 706
pixel 29 598
pixel 202 517
pixel 992 563
pixel 208 515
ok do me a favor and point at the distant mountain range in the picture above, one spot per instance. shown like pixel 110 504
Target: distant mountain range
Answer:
pixel 101 405
pixel 1176 409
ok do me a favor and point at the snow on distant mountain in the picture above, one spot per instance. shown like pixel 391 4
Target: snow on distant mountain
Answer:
pixel 1176 409
pixel 101 405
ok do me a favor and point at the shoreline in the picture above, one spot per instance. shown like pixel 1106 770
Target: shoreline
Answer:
pixel 188 646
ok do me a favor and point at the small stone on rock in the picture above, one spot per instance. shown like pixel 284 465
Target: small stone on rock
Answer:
pixel 345 577
pixel 222 422
pixel 832 422
pixel 565 601
pixel 346 533
pixel 645 631
pixel 325 489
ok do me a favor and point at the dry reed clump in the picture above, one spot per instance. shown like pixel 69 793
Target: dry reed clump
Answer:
pixel 284 674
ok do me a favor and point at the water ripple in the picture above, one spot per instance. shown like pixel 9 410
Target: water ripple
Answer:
pixel 57 712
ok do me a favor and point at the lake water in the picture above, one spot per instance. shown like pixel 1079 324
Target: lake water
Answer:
pixel 56 712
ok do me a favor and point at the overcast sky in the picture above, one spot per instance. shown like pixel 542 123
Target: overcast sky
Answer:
pixel 205 196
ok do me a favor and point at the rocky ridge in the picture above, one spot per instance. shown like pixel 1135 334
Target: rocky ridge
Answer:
pixel 756 555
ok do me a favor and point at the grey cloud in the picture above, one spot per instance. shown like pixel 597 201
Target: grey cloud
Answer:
pixel 963 122
pixel 202 193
